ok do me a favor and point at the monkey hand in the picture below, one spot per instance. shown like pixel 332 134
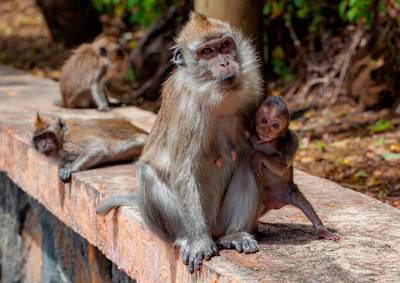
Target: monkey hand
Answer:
pixel 256 165
pixel 65 174
pixel 324 233
pixel 198 250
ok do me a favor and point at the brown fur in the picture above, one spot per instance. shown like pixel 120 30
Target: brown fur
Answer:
pixel 84 144
pixel 178 149
pixel 180 190
pixel 85 68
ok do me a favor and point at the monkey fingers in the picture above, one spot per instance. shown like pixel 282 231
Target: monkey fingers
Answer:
pixel 256 165
pixel 65 174
pixel 194 256
pixel 240 241
pixel 324 233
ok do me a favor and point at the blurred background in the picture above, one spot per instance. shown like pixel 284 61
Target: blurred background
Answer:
pixel 337 63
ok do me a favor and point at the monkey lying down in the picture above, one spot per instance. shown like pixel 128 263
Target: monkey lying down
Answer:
pixel 83 144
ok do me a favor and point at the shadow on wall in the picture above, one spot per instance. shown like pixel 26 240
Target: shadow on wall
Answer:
pixel 37 247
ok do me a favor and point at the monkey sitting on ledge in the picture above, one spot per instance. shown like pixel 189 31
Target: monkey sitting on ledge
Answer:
pixel 85 73
pixel 83 144
pixel 275 147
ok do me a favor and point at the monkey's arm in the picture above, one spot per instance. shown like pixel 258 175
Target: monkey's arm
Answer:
pixel 84 161
pixel 300 201
pixel 275 162
pixel 238 213
pixel 201 245
pixel 99 96
pixel 289 145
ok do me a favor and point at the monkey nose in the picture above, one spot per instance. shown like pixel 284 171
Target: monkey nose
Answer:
pixel 225 64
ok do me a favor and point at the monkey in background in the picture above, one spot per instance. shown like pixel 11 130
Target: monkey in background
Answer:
pixel 82 83
pixel 275 148
pixel 179 193
pixel 83 144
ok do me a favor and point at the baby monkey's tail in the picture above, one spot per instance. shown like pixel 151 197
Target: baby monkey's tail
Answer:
pixel 112 202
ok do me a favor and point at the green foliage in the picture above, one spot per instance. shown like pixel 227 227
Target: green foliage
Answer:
pixel 320 145
pixel 317 17
pixel 391 156
pixel 141 12
pixel 356 11
pixel 381 125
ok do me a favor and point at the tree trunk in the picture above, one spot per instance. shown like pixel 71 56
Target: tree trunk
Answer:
pixel 245 15
pixel 71 21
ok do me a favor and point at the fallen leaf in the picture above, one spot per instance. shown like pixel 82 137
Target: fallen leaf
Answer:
pixel 391 156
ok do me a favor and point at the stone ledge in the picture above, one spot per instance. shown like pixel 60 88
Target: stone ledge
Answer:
pixel 370 230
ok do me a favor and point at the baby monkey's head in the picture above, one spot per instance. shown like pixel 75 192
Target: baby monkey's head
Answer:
pixel 272 119
pixel 46 134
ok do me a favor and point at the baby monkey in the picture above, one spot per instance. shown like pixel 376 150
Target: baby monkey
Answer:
pixel 83 144
pixel 272 164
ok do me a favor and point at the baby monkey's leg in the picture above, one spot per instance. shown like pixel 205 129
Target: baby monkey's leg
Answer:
pixel 299 200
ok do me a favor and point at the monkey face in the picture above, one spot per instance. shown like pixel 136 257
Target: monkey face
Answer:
pixel 270 124
pixel 217 59
pixel 46 143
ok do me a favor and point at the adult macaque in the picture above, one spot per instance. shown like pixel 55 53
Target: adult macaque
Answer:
pixel 82 83
pixel 276 147
pixel 179 187
pixel 83 144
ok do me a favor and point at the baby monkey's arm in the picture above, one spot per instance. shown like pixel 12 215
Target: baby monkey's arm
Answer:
pixel 268 156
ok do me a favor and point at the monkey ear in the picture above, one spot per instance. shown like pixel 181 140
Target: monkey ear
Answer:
pixel 178 57
pixel 38 118
pixel 196 16
pixel 103 51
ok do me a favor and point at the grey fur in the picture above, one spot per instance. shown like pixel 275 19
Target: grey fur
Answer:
pixel 109 203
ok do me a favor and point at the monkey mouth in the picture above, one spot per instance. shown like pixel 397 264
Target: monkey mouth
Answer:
pixel 228 80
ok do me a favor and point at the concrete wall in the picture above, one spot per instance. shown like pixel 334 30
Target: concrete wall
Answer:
pixel 36 247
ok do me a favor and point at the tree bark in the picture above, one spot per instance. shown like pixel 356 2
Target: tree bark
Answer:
pixel 71 21
pixel 245 15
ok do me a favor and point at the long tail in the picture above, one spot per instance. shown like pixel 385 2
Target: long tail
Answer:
pixel 58 102
pixel 112 202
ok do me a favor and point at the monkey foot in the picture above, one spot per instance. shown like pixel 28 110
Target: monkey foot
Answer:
pixel 194 254
pixel 104 108
pixel 240 241
pixel 323 233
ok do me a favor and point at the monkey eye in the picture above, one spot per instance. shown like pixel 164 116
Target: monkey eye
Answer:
pixel 103 51
pixel 206 50
pixel 225 44
pixel 264 120
pixel 275 126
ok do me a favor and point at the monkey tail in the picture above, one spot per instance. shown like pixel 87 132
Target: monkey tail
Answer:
pixel 112 202
pixel 58 102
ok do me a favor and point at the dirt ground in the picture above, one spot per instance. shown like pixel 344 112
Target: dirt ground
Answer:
pixel 363 156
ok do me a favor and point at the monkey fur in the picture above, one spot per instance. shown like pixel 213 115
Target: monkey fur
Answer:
pixel 85 73
pixel 83 144
pixel 180 190
pixel 275 147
